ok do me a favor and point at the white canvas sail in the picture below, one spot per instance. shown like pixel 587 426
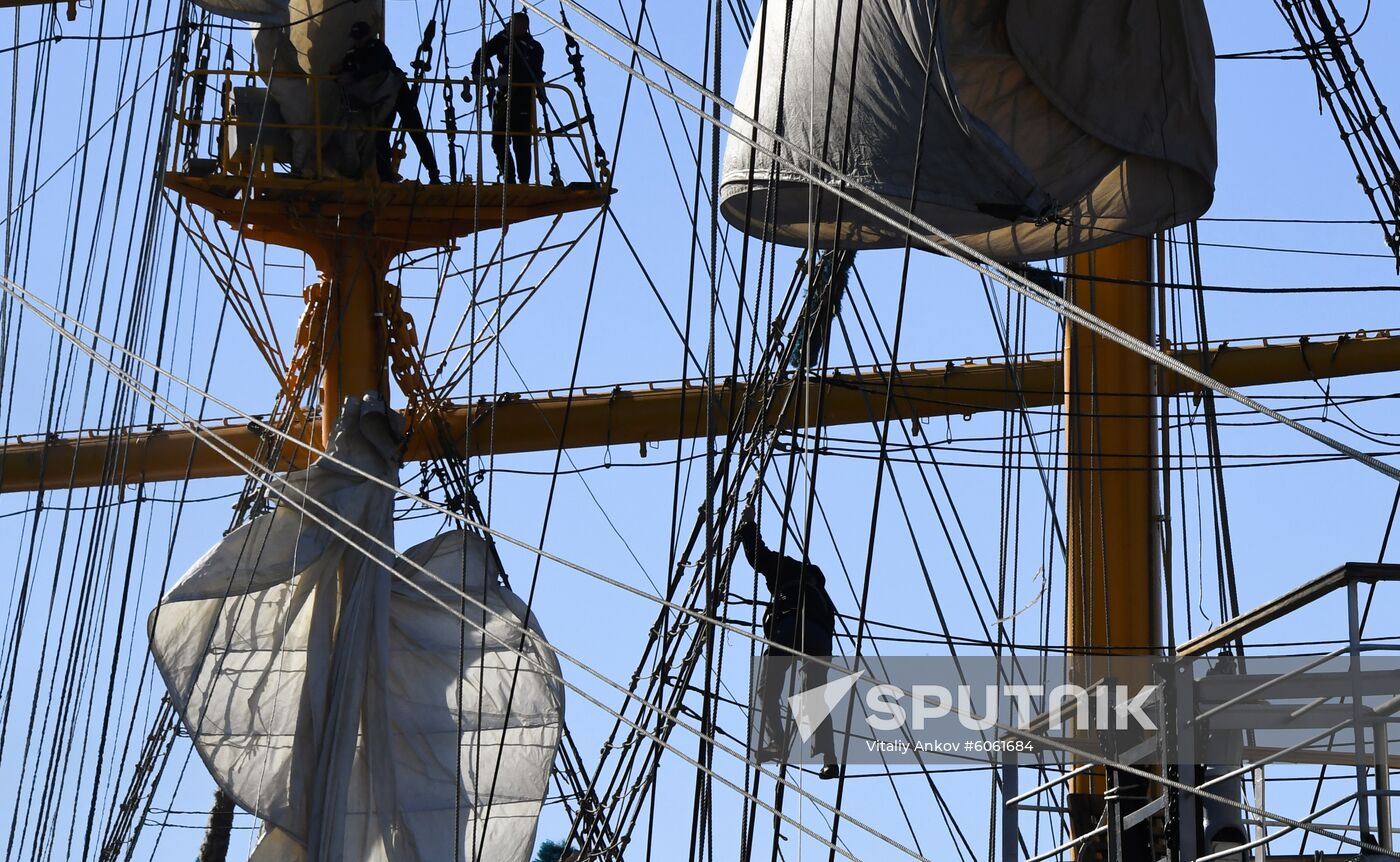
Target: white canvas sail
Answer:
pixel 356 713
pixel 1025 128
pixel 296 44
pixel 318 31
pixel 257 11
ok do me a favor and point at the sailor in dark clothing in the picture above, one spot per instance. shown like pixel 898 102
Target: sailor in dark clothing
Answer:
pixel 520 61
pixel 800 616
pixel 371 81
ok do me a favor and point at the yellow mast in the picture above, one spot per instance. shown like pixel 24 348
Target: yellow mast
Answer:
pixel 356 355
pixel 1112 581
pixel 1112 584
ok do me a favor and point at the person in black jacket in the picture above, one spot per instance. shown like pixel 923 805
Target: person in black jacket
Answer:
pixel 368 76
pixel 520 61
pixel 802 618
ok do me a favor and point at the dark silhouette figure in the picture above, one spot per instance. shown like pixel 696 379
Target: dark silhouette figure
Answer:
pixel 370 79
pixel 802 618
pixel 520 61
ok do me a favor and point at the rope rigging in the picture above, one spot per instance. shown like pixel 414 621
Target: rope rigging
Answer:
pixel 1345 86
pixel 683 682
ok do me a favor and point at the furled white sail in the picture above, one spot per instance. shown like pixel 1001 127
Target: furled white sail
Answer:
pixel 1025 128
pixel 257 11
pixel 317 31
pixel 356 713
pixel 296 44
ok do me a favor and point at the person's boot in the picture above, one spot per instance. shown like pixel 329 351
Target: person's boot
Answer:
pixel 431 166
pixel 830 771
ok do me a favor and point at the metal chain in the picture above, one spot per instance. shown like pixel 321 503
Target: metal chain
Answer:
pixel 575 56
pixel 405 361
pixel 308 347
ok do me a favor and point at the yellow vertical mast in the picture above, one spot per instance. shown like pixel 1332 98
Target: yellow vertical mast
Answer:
pixel 1112 591
pixel 1112 582
pixel 356 355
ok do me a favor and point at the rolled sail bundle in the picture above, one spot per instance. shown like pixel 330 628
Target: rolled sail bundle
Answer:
pixel 354 710
pixel 308 35
pixel 1026 129
pixel 294 41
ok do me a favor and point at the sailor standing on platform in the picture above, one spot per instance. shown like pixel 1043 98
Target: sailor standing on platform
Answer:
pixel 520 60
pixel 802 618
pixel 372 81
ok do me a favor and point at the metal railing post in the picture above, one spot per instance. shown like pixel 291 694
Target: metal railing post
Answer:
pixel 537 128
pixel 1358 729
pixel 1380 737
pixel 1188 808
pixel 1010 809
pixel 190 122
pixel 1261 853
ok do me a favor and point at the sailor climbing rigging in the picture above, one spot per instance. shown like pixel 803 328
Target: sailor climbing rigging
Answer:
pixel 802 618
pixel 519 59
pixel 372 81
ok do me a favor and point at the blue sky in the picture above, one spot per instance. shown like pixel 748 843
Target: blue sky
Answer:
pixel 1279 158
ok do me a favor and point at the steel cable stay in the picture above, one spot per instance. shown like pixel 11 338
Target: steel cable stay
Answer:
pixel 273 430
pixel 489 331
pixel 944 810
pixel 660 626
pixel 133 333
pixel 312 516
pixel 936 240
pixel 711 476
pixel 135 384
pixel 713 269
pixel 582 787
pixel 534 576
pixel 1368 134
pixel 253 469
pixel 1100 760
pixel 919 556
pixel 666 659
pixel 15 624
pixel 150 766
pixel 689 203
pixel 661 623
pixel 150 234
pixel 1362 120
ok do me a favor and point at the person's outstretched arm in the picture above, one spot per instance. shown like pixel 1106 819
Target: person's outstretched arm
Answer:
pixel 764 561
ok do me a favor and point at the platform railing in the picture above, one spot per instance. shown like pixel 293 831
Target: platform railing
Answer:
pixel 253 146
pixel 1367 790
